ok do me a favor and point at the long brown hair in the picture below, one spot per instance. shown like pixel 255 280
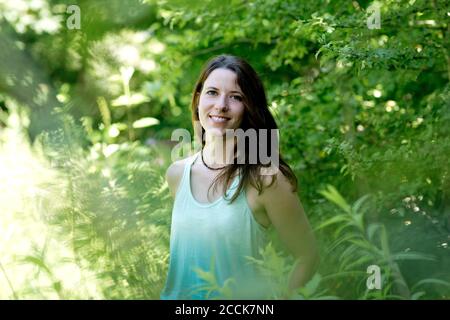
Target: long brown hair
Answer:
pixel 256 116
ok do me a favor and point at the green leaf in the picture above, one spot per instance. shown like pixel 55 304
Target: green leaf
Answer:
pixel 311 287
pixel 38 262
pixel 371 230
pixel 145 122
pixel 413 256
pixel 430 281
pixel 134 99
pixel 417 295
pixel 358 205
pixel 333 220
pixel 334 196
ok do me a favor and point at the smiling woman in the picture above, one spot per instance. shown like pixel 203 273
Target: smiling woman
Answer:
pixel 214 233
pixel 221 101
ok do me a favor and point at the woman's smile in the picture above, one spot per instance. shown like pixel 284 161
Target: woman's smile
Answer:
pixel 218 119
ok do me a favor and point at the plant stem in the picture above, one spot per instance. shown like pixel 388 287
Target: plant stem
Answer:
pixel 9 282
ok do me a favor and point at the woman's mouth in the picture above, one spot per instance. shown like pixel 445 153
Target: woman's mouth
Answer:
pixel 219 119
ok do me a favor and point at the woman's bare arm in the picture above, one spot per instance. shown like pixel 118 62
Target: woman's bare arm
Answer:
pixel 173 175
pixel 286 213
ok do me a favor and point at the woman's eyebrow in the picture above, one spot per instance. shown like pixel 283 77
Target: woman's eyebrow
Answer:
pixel 214 88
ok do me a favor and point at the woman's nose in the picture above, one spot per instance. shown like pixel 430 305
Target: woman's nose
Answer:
pixel 222 103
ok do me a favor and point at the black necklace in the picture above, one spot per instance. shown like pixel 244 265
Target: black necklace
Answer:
pixel 209 166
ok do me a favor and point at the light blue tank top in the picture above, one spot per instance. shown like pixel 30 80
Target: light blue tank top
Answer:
pixel 216 237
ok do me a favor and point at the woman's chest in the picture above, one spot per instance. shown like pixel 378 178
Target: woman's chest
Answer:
pixel 203 192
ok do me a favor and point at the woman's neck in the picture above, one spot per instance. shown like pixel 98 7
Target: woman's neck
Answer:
pixel 218 150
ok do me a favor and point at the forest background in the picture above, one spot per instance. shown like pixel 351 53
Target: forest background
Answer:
pixel 91 92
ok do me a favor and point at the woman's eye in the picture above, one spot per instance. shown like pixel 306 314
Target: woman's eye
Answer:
pixel 211 92
pixel 238 98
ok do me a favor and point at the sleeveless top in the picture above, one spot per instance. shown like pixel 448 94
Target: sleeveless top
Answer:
pixel 217 238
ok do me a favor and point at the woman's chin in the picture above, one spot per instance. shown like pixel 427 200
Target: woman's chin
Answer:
pixel 216 132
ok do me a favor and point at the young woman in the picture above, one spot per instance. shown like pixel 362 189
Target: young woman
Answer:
pixel 224 208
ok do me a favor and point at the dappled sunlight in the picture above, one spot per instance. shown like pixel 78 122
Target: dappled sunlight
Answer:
pixel 32 258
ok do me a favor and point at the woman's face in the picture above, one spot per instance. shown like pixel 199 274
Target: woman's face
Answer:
pixel 220 105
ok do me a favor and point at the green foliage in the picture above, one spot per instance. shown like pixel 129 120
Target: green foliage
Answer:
pixel 360 244
pixel 364 110
pixel 214 290
pixel 117 215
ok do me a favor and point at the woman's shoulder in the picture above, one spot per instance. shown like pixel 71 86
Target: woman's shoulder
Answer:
pixel 276 182
pixel 175 171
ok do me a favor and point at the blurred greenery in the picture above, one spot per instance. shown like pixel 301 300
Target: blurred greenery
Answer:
pixel 86 117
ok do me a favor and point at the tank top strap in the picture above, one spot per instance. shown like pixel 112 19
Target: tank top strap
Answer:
pixel 191 161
